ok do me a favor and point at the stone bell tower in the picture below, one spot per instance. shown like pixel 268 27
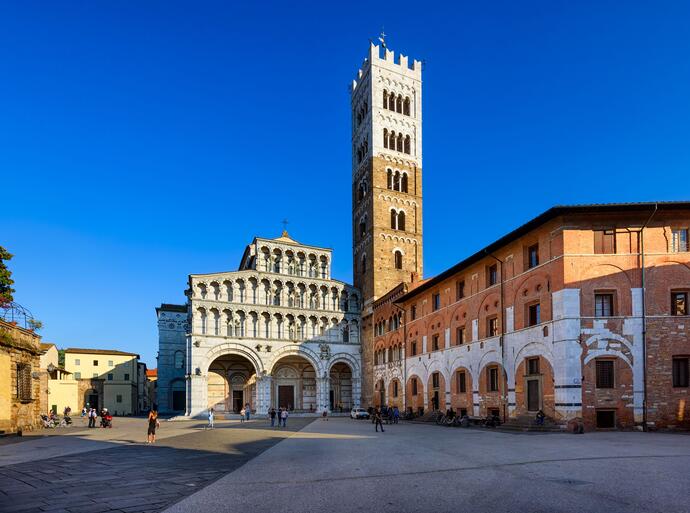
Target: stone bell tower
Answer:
pixel 386 102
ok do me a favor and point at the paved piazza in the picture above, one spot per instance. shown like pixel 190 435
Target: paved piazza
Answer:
pixel 341 465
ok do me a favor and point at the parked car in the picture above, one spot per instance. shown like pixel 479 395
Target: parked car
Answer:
pixel 359 413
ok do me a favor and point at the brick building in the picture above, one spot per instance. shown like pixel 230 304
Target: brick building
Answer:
pixel 581 312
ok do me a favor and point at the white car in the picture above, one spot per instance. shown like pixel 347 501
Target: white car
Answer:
pixel 359 413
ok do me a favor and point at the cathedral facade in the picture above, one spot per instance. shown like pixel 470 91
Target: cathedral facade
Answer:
pixel 278 332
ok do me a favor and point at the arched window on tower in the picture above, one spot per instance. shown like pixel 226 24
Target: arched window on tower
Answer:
pixel 391 140
pixel 401 220
pixel 403 183
pixel 362 228
pixel 394 220
pixel 398 257
pixel 385 138
pixel 385 99
pixel 407 145
pixel 396 181
pixel 389 177
pixel 406 106
pixel 398 105
pixel 391 102
pixel 361 191
pixel 400 143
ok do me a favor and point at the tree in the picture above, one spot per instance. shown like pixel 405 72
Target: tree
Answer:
pixel 6 280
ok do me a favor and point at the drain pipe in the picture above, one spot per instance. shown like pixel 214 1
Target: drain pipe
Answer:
pixel 644 318
pixel 502 340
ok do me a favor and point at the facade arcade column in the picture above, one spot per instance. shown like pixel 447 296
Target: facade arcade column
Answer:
pixel 196 395
pixel 323 387
pixel 263 394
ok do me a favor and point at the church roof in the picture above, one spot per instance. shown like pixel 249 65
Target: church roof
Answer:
pixel 285 237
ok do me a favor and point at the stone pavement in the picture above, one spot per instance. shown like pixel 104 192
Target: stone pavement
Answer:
pixel 343 465
pixel 80 470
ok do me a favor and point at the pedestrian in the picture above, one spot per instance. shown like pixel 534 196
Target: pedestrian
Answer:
pixel 377 421
pixel 396 415
pixel 92 417
pixel 247 410
pixel 284 416
pixel 324 415
pixel 272 415
pixel 153 424
pixel 242 416
pixel 210 418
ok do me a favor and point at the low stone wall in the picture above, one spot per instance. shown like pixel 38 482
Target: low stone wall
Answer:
pixel 19 346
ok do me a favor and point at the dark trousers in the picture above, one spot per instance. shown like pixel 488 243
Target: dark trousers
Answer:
pixel 379 423
pixel 92 422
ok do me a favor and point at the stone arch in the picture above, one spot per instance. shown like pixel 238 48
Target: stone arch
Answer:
pixel 345 358
pixel 302 351
pixel 230 348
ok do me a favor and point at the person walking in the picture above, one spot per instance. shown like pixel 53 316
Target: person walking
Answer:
pixel 378 421
pixel 92 417
pixel 210 418
pixel 247 410
pixel 284 416
pixel 242 416
pixel 272 415
pixel 153 424
pixel 396 415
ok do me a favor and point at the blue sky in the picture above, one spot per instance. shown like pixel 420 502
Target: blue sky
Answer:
pixel 141 142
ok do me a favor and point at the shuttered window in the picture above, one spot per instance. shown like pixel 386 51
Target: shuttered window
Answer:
pixel 605 378
pixel 603 305
pixel 604 242
pixel 24 382
pixel 461 382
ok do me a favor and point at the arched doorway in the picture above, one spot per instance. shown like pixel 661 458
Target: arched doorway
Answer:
pixel 294 384
pixel 340 394
pixel 231 383
pixel 91 398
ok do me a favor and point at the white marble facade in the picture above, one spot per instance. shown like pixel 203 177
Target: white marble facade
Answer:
pixel 276 332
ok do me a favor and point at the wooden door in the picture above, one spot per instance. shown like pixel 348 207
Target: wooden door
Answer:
pixel 533 395
pixel 286 396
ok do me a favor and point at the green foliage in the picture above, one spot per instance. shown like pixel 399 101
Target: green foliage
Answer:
pixel 6 280
pixel 35 324
pixel 61 357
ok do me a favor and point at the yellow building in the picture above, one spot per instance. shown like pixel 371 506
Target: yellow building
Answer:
pixel 106 378
pixel 59 389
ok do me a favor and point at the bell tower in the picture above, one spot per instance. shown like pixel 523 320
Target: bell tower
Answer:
pixel 386 103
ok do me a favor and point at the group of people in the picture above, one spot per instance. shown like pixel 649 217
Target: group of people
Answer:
pixel 92 414
pixel 281 415
pixel 391 414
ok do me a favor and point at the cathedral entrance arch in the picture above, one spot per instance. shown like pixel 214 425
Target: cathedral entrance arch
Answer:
pixel 340 393
pixel 294 384
pixel 231 383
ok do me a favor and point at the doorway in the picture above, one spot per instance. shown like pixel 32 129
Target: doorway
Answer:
pixel 178 400
pixel 286 396
pixel 331 400
pixel 533 395
pixel 92 401
pixel 237 400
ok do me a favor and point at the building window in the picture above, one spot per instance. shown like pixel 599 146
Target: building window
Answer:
pixel 493 379
pixel 492 327
pixel 126 377
pixel 118 398
pixel 603 305
pixel 413 312
pixel 533 256
pixel 413 349
pixel 434 342
pixel 24 382
pixel 460 335
pixel 95 363
pixel 460 290
pixel 77 362
pixel 435 380
pixel 398 260
pixel 679 303
pixel 110 377
pixel 492 275
pixel 179 359
pixel 533 366
pixel 110 363
pixel 414 386
pixel 461 382
pixel 604 242
pixel 77 375
pixel 395 389
pixel 533 314
pixel 679 240
pixel 680 372
pixel 436 301
pixel 605 376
